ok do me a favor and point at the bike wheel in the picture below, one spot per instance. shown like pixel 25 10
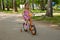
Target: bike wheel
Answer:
pixel 24 27
pixel 33 31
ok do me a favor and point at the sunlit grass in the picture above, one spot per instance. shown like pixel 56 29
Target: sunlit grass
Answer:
pixel 34 11
pixel 55 19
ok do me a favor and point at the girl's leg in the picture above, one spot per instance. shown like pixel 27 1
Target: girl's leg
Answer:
pixel 30 20
pixel 30 23
pixel 27 24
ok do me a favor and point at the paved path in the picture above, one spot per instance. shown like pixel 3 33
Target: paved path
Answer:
pixel 10 29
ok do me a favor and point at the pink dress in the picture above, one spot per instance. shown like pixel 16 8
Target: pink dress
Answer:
pixel 26 15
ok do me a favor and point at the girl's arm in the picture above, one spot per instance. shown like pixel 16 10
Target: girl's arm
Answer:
pixel 31 12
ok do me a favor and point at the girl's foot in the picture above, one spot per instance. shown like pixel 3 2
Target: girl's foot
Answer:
pixel 26 30
pixel 29 28
pixel 20 30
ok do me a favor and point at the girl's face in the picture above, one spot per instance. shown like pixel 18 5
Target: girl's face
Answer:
pixel 27 6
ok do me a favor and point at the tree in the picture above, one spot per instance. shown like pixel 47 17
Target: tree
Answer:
pixel 49 12
pixel 33 4
pixel 15 5
pixel 3 5
pixel 12 3
pixel 27 0
pixel 7 5
pixel 0 5
pixel 42 6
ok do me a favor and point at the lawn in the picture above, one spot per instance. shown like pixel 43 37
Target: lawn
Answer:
pixel 54 20
pixel 34 11
pixel 21 10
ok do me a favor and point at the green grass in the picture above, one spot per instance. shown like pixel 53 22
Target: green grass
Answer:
pixel 34 11
pixel 56 11
pixel 38 11
pixel 5 11
pixel 55 19
pixel 21 10
pixel 11 11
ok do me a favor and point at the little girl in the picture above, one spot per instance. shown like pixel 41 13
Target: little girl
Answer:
pixel 27 14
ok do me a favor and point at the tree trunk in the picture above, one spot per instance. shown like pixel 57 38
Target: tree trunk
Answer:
pixel 7 4
pixel 42 6
pixel 27 1
pixel 15 6
pixel 0 4
pixel 33 4
pixel 49 12
pixel 24 1
pixel 12 4
pixel 3 5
